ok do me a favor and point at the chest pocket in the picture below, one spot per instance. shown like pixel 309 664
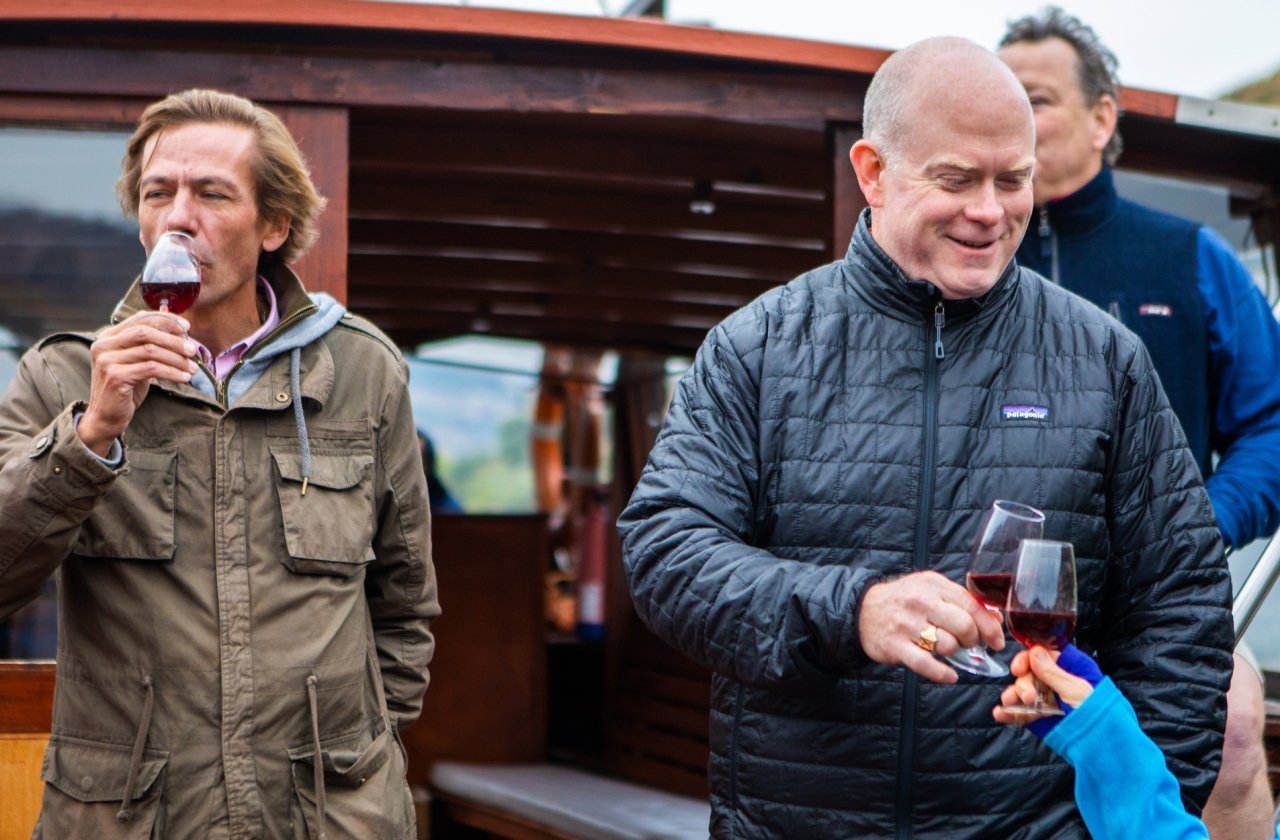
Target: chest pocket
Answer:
pixel 329 531
pixel 135 519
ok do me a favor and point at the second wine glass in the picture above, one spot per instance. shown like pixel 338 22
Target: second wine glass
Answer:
pixel 1042 604
pixel 991 563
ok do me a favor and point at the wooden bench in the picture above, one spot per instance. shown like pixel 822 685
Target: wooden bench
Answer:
pixel 26 708
pixel 648 779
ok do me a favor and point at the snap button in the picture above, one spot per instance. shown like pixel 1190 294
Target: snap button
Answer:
pixel 283 396
pixel 57 470
pixel 86 782
pixel 39 446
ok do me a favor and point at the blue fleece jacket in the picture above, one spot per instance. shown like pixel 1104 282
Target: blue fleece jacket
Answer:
pixel 1123 787
pixel 1210 332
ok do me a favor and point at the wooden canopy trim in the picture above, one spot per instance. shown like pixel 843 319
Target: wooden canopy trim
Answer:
pixel 639 34
pixel 627 33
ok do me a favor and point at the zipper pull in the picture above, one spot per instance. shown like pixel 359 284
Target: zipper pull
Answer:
pixel 1046 233
pixel 939 318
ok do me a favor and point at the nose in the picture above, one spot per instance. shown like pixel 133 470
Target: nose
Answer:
pixel 985 207
pixel 182 212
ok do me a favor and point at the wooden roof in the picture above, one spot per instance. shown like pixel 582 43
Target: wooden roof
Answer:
pixel 526 174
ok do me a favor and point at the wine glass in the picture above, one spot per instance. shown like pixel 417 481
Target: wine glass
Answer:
pixel 171 277
pixel 991 563
pixel 1042 604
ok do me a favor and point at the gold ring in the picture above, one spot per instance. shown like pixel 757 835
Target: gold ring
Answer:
pixel 928 638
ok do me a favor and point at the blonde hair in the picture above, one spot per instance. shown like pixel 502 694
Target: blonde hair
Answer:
pixel 282 182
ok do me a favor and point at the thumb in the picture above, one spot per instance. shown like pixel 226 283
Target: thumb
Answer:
pixel 1071 690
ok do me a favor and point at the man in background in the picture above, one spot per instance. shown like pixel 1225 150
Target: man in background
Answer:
pixel 1210 332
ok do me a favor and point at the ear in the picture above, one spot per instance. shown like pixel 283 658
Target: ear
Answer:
pixel 275 233
pixel 869 166
pixel 1105 113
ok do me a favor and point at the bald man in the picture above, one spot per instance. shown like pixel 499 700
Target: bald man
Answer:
pixel 804 522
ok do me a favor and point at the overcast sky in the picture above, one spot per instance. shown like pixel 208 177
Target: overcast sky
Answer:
pixel 1179 46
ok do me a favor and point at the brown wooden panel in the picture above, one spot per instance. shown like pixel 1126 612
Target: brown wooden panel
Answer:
pixel 663 715
pixel 603 146
pixel 612 248
pixel 487 698
pixel 701 42
pixel 437 84
pixel 79 111
pixel 669 777
pixel 657 745
pixel 321 134
pixel 26 697
pixel 555 201
pixel 847 199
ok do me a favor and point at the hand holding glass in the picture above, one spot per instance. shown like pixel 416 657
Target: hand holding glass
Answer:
pixel 1042 604
pixel 991 565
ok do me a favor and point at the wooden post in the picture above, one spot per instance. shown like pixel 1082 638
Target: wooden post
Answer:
pixel 322 134
pixel 847 200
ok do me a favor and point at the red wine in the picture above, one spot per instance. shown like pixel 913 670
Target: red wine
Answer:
pixel 177 296
pixel 990 589
pixel 1041 627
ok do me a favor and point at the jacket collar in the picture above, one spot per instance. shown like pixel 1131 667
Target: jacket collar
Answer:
pixel 873 275
pixel 1085 209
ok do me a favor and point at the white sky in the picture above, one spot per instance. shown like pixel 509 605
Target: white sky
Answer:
pixel 1197 47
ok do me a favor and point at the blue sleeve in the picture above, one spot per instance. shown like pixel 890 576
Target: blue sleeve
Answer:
pixel 1124 789
pixel 1244 372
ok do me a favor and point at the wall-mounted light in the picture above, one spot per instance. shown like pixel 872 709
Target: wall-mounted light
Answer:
pixel 702 203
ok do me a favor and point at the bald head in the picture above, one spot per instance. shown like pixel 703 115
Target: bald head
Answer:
pixel 937 73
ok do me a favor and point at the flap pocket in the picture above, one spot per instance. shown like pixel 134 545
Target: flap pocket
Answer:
pixel 330 529
pixel 335 472
pixel 135 518
pixel 349 760
pixel 91 771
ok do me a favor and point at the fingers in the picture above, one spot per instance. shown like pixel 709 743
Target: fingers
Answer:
pixel 126 358
pixel 1072 689
pixel 893 614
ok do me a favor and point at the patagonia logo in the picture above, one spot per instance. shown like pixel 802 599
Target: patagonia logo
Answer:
pixel 1025 412
pixel 1159 310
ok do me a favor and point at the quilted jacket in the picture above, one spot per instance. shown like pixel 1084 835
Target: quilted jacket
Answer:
pixel 850 427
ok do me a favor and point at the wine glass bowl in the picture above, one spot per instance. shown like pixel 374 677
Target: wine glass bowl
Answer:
pixel 1042 602
pixel 1005 525
pixel 171 276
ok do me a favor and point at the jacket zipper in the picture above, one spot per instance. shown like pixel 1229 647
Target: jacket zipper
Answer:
pixel 911 682
pixel 1049 244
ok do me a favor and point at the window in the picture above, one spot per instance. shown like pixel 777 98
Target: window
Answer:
pixel 66 256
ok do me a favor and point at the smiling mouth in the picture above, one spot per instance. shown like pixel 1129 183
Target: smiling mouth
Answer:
pixel 969 244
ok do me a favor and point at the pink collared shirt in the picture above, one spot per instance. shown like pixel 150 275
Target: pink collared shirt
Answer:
pixel 227 359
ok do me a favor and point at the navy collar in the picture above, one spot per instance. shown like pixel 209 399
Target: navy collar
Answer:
pixel 1085 209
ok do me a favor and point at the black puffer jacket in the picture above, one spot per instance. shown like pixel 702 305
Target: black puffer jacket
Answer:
pixel 831 435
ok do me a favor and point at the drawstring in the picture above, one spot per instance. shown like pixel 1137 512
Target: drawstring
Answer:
pixel 125 814
pixel 317 762
pixel 298 418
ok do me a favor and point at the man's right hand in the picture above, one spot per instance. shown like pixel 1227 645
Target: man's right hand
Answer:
pixel 126 358
pixel 894 613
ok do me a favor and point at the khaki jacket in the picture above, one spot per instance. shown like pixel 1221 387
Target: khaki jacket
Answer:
pixel 218 626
